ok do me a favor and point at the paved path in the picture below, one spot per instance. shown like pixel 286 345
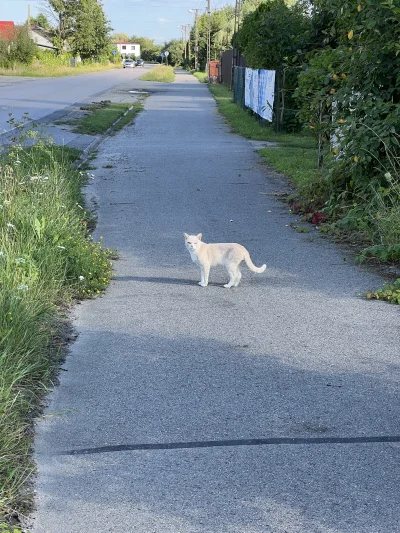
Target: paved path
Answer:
pixel 271 394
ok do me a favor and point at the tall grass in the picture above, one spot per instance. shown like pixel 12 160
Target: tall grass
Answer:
pixel 47 64
pixel 47 257
pixel 160 73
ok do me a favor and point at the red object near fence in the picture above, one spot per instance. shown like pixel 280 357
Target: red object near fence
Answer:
pixel 213 70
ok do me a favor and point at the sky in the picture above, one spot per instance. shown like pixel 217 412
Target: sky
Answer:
pixel 160 20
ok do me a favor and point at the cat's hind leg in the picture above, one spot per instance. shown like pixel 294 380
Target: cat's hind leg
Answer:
pixel 232 271
pixel 238 277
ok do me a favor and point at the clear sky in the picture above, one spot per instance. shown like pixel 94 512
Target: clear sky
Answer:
pixel 157 19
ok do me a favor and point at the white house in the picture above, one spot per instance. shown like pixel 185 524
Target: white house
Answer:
pixel 128 49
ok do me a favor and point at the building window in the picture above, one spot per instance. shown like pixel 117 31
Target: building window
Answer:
pixel 132 47
pixel 123 47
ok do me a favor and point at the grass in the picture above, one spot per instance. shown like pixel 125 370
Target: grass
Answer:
pixel 160 73
pixel 104 114
pixel 128 116
pixel 47 258
pixel 42 70
pixel 299 163
pixel 201 76
pixel 296 155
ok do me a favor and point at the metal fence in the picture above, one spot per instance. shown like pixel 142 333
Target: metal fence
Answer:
pixel 229 59
pixel 282 113
pixel 239 85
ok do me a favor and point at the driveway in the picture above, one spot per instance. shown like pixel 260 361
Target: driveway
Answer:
pixel 269 408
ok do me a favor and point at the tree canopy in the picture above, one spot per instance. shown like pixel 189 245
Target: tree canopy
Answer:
pixel 80 24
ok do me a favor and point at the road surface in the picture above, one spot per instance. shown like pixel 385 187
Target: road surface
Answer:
pixel 40 97
pixel 270 408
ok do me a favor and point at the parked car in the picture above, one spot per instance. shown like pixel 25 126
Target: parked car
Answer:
pixel 129 63
pixel 139 63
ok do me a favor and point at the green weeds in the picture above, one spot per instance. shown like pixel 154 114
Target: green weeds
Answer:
pixel 47 258
pixel 104 114
pixel 128 117
pixel 390 292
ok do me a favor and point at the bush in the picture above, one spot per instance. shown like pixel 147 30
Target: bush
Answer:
pixel 21 49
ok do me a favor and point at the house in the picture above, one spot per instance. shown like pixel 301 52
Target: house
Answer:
pixel 126 48
pixel 41 37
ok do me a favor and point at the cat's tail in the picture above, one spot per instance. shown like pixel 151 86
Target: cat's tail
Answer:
pixel 251 265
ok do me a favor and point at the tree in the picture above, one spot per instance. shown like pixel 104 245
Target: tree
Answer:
pixel 274 33
pixel 90 37
pixel 175 49
pixel 275 37
pixel 60 16
pixel 149 51
pixel 220 23
pixel 115 37
pixel 80 24
pixel 41 20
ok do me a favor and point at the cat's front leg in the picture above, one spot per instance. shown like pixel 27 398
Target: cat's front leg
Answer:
pixel 205 271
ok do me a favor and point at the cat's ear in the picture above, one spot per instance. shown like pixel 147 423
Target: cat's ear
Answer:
pixel 199 236
pixel 185 235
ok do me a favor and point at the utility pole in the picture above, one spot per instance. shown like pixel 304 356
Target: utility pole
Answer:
pixel 183 29
pixel 196 38
pixel 208 33
pixel 234 48
pixel 189 27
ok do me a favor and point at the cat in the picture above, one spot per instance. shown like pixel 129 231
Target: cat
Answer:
pixel 230 255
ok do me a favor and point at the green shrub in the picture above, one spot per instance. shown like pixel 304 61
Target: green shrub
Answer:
pixel 21 49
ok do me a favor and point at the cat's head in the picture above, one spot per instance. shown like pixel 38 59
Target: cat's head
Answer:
pixel 192 242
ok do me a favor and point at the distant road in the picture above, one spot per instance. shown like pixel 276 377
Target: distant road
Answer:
pixel 40 97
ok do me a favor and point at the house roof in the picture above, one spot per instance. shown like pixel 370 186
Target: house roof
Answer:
pixel 126 42
pixel 7 29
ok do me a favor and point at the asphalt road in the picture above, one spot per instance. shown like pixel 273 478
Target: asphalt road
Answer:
pixel 269 408
pixel 40 97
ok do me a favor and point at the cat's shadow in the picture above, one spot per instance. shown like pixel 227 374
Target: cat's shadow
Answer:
pixel 173 281
pixel 162 281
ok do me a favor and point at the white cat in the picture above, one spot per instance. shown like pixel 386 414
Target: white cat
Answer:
pixel 230 255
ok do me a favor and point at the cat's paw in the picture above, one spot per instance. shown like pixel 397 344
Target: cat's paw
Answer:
pixel 228 285
pixel 203 284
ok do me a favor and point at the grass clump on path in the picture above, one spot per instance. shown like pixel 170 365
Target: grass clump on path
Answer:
pixel 47 258
pixel 103 115
pixel 201 76
pixel 160 73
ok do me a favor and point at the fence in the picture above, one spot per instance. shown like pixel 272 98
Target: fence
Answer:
pixel 256 89
pixel 264 92
pixel 229 58
pixel 239 85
